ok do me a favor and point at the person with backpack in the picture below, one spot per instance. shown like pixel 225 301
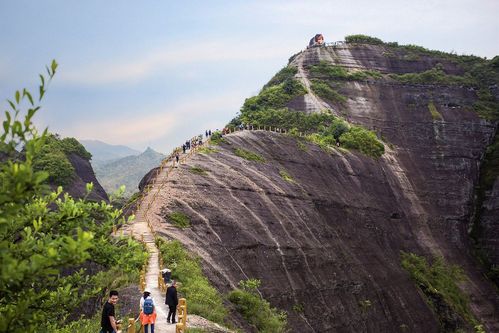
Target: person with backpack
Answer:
pixel 172 302
pixel 147 312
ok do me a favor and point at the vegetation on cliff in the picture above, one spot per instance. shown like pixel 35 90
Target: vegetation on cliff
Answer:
pixel 257 310
pixel 204 300
pixel 439 283
pixel 48 239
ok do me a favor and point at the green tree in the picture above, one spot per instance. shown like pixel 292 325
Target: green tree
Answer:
pixel 42 232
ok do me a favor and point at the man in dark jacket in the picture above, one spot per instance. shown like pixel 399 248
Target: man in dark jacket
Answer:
pixel 172 301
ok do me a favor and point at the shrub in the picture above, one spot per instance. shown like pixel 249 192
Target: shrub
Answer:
pixel 285 74
pixel 204 300
pixel 248 155
pixel 60 170
pixel 207 150
pixel 433 76
pixel 363 39
pixel 256 310
pixel 362 140
pixel 275 97
pixel 324 90
pixel 179 220
pixel 216 138
pixel 72 146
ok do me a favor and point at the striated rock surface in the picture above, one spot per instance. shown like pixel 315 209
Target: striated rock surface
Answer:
pixel 330 239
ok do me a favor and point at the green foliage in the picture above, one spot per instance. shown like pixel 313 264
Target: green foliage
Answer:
pixel 83 325
pixel 324 90
pixel 285 74
pixel 274 97
pixel 439 279
pixel 434 112
pixel 55 162
pixel 204 300
pixel 333 72
pixel 198 170
pixel 216 138
pixel 249 155
pixel 363 39
pixel 362 140
pixel 73 146
pixel 179 220
pixel 256 310
pixel 286 176
pixel 207 150
pixel 433 76
pixel 44 232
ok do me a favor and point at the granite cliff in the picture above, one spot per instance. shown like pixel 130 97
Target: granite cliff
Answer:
pixel 323 228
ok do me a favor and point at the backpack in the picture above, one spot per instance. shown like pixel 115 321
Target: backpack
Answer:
pixel 148 306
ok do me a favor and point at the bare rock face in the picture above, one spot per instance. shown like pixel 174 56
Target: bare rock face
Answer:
pixel 84 174
pixel 328 239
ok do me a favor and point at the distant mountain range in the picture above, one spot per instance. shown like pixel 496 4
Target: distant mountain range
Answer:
pixel 117 165
pixel 104 152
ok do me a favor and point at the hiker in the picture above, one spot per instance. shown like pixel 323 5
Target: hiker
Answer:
pixel 147 312
pixel 177 157
pixel 184 148
pixel 206 133
pixel 209 132
pixel 108 320
pixel 172 301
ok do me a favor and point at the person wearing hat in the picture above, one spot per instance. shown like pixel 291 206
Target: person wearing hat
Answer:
pixel 172 302
pixel 147 312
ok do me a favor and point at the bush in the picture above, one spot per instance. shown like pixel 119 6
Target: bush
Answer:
pixel 285 74
pixel 248 155
pixel 72 146
pixel 286 176
pixel 60 170
pixel 216 138
pixel 256 310
pixel 363 39
pixel 433 76
pixel 274 97
pixel 179 220
pixel 362 140
pixel 204 300
pixel 324 90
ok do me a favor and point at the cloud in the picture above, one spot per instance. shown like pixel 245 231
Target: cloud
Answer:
pixel 146 125
pixel 140 67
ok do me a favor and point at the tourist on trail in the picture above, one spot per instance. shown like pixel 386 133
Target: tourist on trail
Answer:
pixel 177 157
pixel 184 148
pixel 209 132
pixel 166 274
pixel 147 312
pixel 172 302
pixel 108 320
pixel 206 133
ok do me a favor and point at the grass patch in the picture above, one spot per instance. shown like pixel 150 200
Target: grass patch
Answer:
pixel 286 176
pixel 301 146
pixel 207 150
pixel 324 90
pixel 287 73
pixel 333 72
pixel 433 76
pixel 249 155
pixel 179 220
pixel 198 170
pixel 256 310
pixel 438 281
pixel 434 112
pixel 204 299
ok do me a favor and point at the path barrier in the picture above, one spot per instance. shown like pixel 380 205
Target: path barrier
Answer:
pixel 182 316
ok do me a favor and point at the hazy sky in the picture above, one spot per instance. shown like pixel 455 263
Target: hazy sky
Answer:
pixel 152 73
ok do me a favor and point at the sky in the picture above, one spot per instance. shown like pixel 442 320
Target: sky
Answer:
pixel 154 73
